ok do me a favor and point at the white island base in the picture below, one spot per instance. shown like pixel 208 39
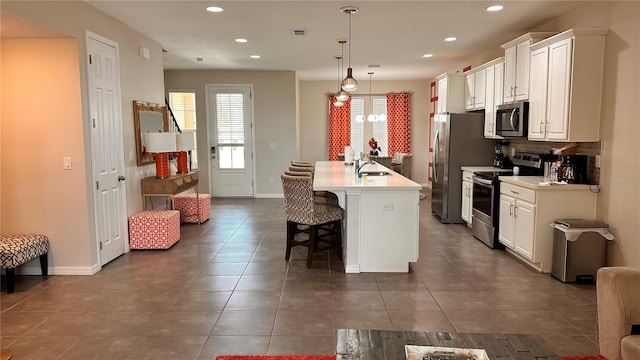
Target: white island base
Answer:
pixel 381 217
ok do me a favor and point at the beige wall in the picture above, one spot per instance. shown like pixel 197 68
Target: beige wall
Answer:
pixel 619 199
pixel 41 124
pixel 314 113
pixel 274 110
pixel 141 79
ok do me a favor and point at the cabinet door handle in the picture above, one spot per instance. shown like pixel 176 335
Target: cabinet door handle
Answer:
pixel 510 209
pixel 515 211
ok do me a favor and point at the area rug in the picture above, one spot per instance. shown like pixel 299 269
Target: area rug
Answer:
pixel 276 357
pixel 597 357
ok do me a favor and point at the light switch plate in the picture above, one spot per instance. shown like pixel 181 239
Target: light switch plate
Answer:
pixel 66 163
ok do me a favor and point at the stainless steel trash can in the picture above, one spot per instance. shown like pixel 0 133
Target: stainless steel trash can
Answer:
pixel 579 249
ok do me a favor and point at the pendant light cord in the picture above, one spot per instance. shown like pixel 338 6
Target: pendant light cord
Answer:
pixel 350 38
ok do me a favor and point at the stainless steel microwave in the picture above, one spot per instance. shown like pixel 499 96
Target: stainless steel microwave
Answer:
pixel 512 120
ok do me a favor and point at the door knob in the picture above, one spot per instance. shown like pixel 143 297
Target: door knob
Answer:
pixel 121 178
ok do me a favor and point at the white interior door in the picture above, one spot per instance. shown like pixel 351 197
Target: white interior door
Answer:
pixel 230 118
pixel 107 147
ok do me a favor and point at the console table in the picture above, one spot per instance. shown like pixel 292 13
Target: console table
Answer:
pixel 168 187
pixel 354 344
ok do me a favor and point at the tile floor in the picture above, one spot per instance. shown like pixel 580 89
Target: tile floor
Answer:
pixel 225 288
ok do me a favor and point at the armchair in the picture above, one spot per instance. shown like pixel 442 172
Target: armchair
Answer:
pixel 618 296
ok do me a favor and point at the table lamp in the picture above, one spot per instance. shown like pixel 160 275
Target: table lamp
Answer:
pixel 161 144
pixel 185 142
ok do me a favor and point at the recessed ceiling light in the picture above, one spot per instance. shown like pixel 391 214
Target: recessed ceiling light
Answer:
pixel 495 8
pixel 427 55
pixel 450 38
pixel 255 56
pixel 199 60
pixel 214 9
pixel 241 40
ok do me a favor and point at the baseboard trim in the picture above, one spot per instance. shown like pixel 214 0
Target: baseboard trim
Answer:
pixel 269 196
pixel 59 270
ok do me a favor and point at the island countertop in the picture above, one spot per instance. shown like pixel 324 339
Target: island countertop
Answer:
pixel 335 175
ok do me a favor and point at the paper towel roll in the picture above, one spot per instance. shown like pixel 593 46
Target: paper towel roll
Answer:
pixel 348 155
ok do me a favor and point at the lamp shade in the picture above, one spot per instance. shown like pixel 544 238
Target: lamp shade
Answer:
pixel 160 142
pixel 185 141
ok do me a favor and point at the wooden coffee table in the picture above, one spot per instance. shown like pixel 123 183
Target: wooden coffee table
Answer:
pixel 355 344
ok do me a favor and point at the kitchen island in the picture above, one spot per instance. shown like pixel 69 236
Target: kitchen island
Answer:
pixel 381 215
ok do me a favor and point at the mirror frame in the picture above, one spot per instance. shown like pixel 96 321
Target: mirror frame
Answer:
pixel 138 106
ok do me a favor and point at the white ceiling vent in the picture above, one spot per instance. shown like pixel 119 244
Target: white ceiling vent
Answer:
pixel 298 33
pixel 373 65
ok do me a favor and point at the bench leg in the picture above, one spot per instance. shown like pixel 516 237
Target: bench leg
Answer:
pixel 44 264
pixel 11 280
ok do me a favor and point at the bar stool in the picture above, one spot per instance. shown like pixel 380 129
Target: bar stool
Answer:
pixel 302 210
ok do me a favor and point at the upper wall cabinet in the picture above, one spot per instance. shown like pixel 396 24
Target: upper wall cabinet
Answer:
pixel 516 65
pixel 450 93
pixel 566 86
pixel 474 90
pixel 493 96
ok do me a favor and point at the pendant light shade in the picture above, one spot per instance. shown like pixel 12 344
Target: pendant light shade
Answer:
pixel 339 101
pixel 349 83
pixel 341 95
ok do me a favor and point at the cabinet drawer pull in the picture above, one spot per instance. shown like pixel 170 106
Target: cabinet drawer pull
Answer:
pixel 514 192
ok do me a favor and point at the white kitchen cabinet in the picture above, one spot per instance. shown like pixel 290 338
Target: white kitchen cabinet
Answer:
pixel 526 209
pixel 450 89
pixel 474 92
pixel 566 86
pixel 516 66
pixel 467 196
pixel 493 97
pixel 517 218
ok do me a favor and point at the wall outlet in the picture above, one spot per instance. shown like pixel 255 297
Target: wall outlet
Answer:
pixel 272 145
pixel 387 207
pixel 271 179
pixel 598 161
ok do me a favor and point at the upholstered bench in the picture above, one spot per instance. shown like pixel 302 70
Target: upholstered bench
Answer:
pixel 194 208
pixel 154 229
pixel 16 250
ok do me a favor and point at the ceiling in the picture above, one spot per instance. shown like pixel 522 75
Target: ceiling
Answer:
pixel 392 34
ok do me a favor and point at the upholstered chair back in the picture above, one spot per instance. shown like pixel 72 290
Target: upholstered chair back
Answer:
pixel 298 198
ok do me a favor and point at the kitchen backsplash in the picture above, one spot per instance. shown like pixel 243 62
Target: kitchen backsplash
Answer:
pixel 539 147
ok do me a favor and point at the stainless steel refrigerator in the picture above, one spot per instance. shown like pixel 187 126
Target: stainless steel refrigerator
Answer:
pixel 458 141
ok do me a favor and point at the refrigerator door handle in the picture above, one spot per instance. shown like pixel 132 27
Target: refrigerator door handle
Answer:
pixel 436 154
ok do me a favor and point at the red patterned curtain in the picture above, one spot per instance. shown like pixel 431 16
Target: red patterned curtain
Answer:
pixel 339 127
pixel 399 122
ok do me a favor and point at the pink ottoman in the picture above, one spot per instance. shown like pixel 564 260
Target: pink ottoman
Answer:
pixel 192 210
pixel 154 229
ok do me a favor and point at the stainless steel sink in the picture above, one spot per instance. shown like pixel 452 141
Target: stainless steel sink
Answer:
pixel 375 173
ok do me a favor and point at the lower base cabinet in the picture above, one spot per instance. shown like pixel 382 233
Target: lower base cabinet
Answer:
pixel 525 215
pixel 467 197
pixel 517 218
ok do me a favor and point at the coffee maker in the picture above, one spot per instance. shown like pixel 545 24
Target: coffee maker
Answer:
pixel 499 159
pixel 572 169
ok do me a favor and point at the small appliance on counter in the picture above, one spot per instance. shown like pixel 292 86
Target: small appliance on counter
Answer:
pixel 500 160
pixel 571 169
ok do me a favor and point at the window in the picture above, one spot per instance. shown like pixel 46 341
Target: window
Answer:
pixel 183 106
pixel 380 127
pixel 230 130
pixel 357 128
pixel 361 132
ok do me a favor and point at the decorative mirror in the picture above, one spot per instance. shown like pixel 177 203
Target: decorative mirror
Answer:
pixel 148 117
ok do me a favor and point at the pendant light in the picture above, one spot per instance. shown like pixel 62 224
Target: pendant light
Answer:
pixel 338 101
pixel 371 117
pixel 341 95
pixel 349 83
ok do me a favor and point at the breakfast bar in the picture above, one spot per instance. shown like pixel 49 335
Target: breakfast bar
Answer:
pixel 381 215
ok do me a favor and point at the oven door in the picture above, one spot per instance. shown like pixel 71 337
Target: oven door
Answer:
pixel 483 199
